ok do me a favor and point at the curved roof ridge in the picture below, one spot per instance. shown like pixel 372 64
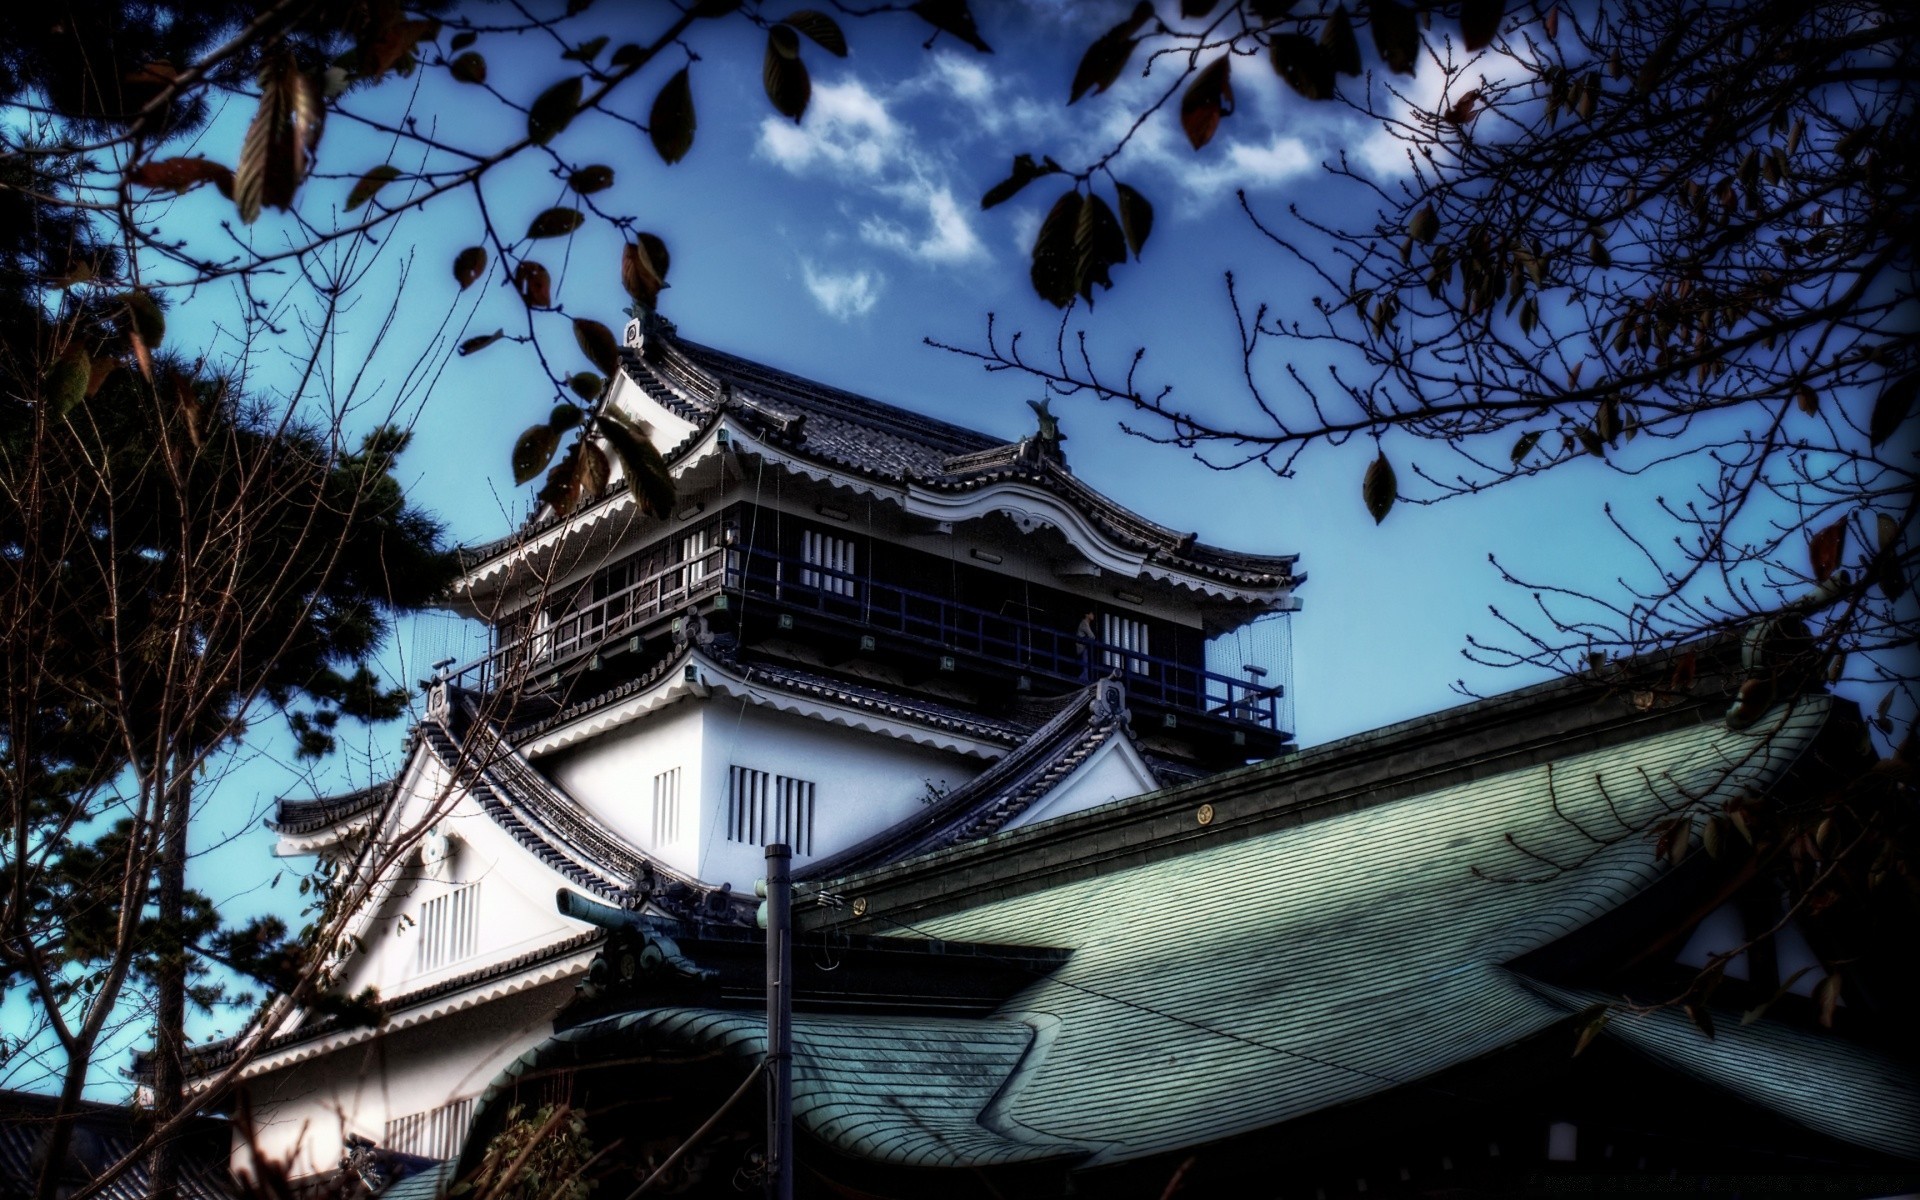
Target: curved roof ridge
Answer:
pixel 298 816
pixel 988 801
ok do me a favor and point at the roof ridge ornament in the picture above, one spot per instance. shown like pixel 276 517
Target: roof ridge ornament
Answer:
pixel 1046 440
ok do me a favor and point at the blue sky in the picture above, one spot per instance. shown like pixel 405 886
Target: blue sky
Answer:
pixel 832 249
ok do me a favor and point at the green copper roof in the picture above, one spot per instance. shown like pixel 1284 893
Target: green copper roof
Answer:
pixel 1822 1081
pixel 895 1090
pixel 1234 983
pixel 1247 983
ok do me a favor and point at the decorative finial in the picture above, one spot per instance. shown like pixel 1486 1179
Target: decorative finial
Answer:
pixel 1049 436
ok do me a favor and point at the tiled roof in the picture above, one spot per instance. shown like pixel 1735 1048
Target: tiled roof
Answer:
pixel 1822 1081
pixel 867 437
pixel 1286 973
pixel 291 816
pixel 990 800
pixel 1241 982
pixel 898 1090
pixel 213 1056
pixel 103 1135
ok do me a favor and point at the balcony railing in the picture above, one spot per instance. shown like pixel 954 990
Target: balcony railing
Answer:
pixel 947 627
pixel 555 639
pixel 848 603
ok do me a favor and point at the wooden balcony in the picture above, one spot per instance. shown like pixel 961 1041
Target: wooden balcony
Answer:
pixel 762 597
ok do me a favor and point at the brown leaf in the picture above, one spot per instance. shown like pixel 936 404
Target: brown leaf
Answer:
pixel 1379 488
pixel 1479 21
pixel 475 344
pixel 597 343
pixel 1025 171
pixel 1825 548
pixel 822 29
pixel 1300 61
pixel 533 451
pixel 1685 670
pixel 1136 216
pixel 469 68
pixel 179 175
pixel 1807 399
pixel 647 472
pixel 1465 109
pixel 561 492
pixel 1893 407
pixel 671 123
pixel 1098 246
pixel 1551 22
pixel 784 75
pixel 469 265
pixel 586 385
pixel 555 222
pixel 1525 446
pixel 590 179
pixel 1054 272
pixel 1208 98
pixel 1338 44
pixel 1107 56
pixel 954 17
pixel 370 184
pixel 281 140
pixel 594 470
pixel 554 110
pixel 643 269
pixel 1396 35
pixel 1424 225
pixel 534 284
pixel 1891 576
pixel 392 42
pixel 1701 1018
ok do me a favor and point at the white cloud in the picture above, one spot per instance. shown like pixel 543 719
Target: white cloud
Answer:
pixel 949 235
pixel 842 295
pixel 1253 167
pixel 847 129
pixel 849 133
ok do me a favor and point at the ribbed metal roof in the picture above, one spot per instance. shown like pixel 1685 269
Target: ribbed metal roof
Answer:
pixel 1820 1080
pixel 1248 982
pixel 1245 984
pixel 902 1091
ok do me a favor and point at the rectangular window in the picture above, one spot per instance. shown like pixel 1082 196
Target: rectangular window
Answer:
pixel 666 808
pixel 449 928
pixel 1124 634
pixel 696 550
pixel 829 562
pixel 436 1133
pixel 763 808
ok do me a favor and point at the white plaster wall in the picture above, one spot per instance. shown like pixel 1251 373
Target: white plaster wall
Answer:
pixel 306 1110
pixel 1114 772
pixel 864 782
pixel 516 908
pixel 612 778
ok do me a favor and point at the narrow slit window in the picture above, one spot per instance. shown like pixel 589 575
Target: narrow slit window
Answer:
pixel 829 562
pixel 449 928
pixel 763 808
pixel 1127 637
pixel 437 1133
pixel 666 807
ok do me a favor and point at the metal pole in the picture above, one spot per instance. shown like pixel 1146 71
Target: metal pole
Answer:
pixel 779 1022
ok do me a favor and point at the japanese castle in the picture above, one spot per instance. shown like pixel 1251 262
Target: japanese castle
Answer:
pixel 860 631
pixel 1073 917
